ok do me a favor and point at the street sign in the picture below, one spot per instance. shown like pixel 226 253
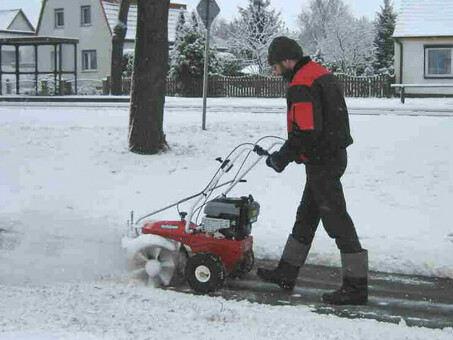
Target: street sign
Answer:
pixel 207 10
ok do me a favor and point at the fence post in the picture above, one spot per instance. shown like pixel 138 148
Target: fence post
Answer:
pixel 8 86
pixel 106 86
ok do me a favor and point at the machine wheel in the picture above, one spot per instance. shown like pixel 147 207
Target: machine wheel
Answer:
pixel 153 258
pixel 205 272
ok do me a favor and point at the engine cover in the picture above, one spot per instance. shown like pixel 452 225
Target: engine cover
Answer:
pixel 231 216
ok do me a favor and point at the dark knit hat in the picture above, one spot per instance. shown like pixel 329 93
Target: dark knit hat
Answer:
pixel 283 48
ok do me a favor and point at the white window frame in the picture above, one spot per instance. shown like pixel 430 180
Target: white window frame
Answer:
pixel 57 13
pixel 83 17
pixel 429 48
pixel 87 60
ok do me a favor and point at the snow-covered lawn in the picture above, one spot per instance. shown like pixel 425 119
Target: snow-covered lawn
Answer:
pixel 68 183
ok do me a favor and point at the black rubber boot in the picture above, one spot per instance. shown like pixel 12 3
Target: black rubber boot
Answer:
pixel 285 274
pixel 354 290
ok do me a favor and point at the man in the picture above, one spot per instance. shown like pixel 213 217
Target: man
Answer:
pixel 318 135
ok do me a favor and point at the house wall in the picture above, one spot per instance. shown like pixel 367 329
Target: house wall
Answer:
pixel 414 63
pixel 93 37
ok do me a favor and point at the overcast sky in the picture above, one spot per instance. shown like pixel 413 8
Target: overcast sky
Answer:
pixel 228 8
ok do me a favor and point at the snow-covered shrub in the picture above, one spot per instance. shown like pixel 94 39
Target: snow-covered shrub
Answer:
pixel 89 87
pixel 229 65
pixel 128 63
pixel 187 56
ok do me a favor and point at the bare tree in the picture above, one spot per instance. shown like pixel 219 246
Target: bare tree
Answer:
pixel 253 31
pixel 349 43
pixel 313 22
pixel 119 33
pixel 146 134
pixel 221 28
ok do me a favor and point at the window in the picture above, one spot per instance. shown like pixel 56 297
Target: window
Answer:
pixel 9 57
pixel 59 18
pixel 85 15
pixel 438 62
pixel 89 60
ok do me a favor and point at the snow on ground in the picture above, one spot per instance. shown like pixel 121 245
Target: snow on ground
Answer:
pixel 68 183
pixel 116 310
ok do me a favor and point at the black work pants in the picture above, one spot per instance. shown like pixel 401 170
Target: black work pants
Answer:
pixel 323 199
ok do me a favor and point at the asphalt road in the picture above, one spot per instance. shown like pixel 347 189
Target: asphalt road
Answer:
pixel 415 300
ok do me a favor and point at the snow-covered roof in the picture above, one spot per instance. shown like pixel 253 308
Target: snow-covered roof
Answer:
pixel 7 17
pixel 424 18
pixel 111 9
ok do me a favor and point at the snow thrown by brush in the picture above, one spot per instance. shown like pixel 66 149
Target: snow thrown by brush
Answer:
pixel 134 245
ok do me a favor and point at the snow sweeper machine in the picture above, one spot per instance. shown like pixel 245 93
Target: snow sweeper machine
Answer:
pixel 203 254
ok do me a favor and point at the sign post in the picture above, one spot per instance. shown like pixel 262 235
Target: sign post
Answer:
pixel 207 10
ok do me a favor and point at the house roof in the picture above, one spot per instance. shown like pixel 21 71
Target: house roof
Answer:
pixel 7 17
pixel 424 18
pixel 111 8
pixel 37 40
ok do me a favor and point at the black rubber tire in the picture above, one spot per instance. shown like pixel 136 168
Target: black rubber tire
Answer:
pixel 205 272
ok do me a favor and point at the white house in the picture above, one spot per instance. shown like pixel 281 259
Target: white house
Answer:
pixel 14 24
pixel 424 46
pixel 92 22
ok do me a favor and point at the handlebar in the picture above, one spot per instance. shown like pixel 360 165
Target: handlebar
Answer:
pixel 225 167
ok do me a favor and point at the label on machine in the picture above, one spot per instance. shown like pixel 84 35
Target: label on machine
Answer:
pixel 210 224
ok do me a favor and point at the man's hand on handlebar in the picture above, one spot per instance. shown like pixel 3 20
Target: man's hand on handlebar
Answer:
pixel 276 162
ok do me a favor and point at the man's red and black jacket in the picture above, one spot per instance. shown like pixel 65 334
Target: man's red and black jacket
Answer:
pixel 318 122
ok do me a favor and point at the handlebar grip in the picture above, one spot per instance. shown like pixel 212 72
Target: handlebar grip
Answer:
pixel 260 151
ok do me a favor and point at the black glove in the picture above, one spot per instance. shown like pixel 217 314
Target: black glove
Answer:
pixel 276 162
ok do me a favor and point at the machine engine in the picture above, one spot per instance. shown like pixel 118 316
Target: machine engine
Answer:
pixel 231 216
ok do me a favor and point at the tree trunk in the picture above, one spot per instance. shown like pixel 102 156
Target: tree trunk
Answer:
pixel 119 33
pixel 149 78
